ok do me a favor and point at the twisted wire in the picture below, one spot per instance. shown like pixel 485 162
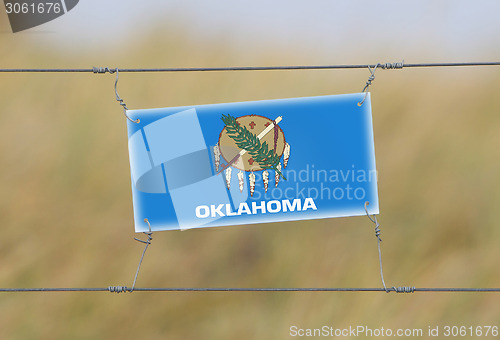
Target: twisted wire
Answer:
pixel 377 234
pixel 379 239
pixel 102 70
pixel 117 289
pixel 392 66
pixel 368 83
pixel 404 289
pixel 118 99
pixel 147 243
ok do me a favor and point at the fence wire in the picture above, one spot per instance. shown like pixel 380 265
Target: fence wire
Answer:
pixel 122 289
pixel 397 65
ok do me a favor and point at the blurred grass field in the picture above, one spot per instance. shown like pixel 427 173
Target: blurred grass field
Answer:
pixel 66 206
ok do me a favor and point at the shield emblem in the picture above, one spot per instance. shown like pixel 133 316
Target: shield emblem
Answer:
pixel 251 143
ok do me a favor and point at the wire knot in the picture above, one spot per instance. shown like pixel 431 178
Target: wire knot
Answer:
pixel 103 70
pixel 147 233
pixel 392 66
pixel 402 289
pixel 368 82
pixel 374 220
pixel 118 289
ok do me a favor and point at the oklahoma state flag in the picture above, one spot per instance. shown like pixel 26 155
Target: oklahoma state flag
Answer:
pixel 252 162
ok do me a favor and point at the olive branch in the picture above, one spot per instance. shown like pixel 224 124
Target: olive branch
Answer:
pixel 260 152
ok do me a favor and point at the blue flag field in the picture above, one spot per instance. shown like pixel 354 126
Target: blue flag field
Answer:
pixel 252 162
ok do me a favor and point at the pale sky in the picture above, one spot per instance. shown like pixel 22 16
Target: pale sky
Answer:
pixel 447 30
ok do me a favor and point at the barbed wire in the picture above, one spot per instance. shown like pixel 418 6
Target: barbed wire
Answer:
pixel 398 65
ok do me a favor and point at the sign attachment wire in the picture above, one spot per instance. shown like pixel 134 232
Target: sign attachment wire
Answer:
pixel 102 70
pixel 373 218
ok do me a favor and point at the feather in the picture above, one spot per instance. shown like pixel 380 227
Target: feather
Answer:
pixel 228 177
pixel 277 175
pixel 251 177
pixel 240 180
pixel 265 177
pixel 286 154
pixel 217 157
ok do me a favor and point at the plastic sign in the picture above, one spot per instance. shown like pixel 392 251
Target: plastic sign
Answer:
pixel 252 162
